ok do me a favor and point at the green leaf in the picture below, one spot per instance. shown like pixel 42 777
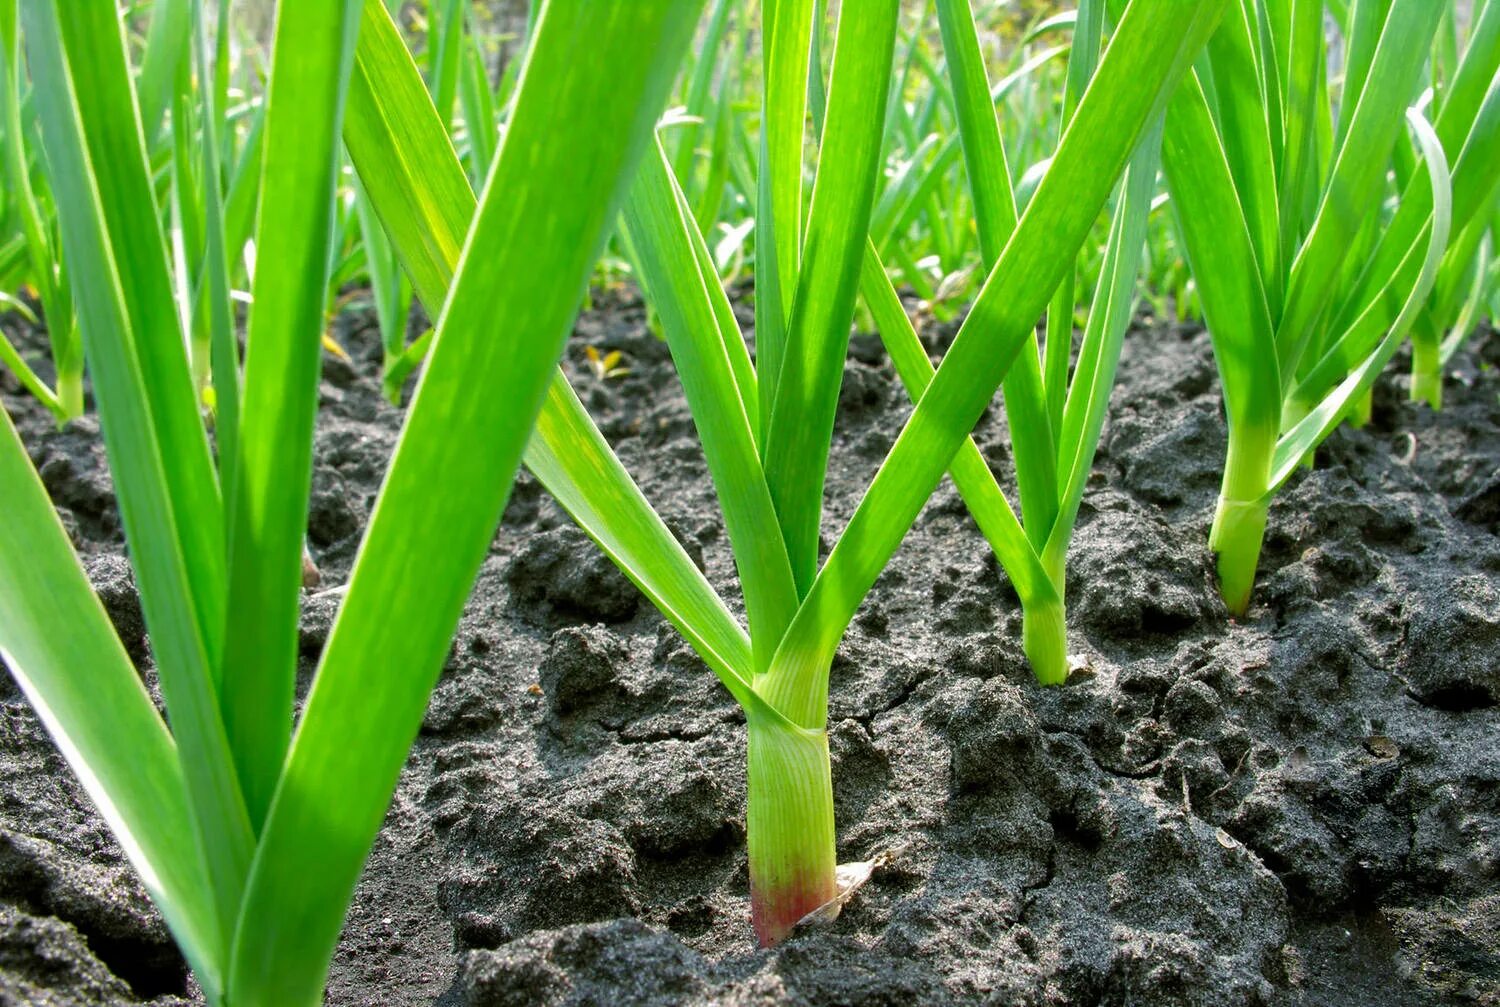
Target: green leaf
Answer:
pixel 786 33
pixel 60 646
pixel 1306 63
pixel 1147 56
pixel 66 400
pixel 1358 173
pixel 417 186
pixel 1111 314
pixel 1083 59
pixel 817 338
pixel 972 477
pixel 1322 420
pixel 1223 260
pixel 415 183
pixel 1243 123
pixel 446 54
pixel 273 474
pixel 659 227
pixel 145 400
pixel 167 49
pixel 576 131
pixel 1026 407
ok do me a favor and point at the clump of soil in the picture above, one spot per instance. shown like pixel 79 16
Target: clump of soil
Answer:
pixel 1300 807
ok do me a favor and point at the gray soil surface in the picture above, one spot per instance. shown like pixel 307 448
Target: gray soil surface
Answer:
pixel 1300 808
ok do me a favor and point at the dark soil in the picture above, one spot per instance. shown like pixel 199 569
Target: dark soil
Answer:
pixel 1301 808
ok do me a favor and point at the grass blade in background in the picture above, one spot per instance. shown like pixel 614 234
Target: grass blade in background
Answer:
pixel 65 400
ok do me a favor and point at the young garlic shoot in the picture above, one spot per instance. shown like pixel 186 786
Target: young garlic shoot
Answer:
pixel 1467 110
pixel 1275 224
pixel 1055 423
pixel 766 424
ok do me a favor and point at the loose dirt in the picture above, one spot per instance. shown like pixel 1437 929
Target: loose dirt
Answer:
pixel 1299 808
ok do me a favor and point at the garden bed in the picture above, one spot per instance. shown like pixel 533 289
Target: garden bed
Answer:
pixel 1303 807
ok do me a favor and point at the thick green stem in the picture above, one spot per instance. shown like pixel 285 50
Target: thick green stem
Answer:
pixel 1044 635
pixel 1044 624
pixel 70 389
pixel 1426 369
pixel 1240 520
pixel 790 825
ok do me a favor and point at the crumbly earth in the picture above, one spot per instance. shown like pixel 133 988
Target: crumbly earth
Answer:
pixel 1299 808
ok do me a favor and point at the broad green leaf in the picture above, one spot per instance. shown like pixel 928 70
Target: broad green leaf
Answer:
pixel 1243 123
pixel 786 34
pixel 1222 256
pixel 672 269
pixel 1306 62
pixel 96 57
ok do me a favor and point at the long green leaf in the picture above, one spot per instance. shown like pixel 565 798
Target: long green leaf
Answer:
pixel 138 442
pixel 65 400
pixel 1150 50
pixel 786 35
pixel 1223 260
pixel 1057 353
pixel 658 226
pixel 417 186
pixel 1026 406
pixel 273 474
pixel 1357 174
pixel 1243 122
pixel 972 477
pixel 59 644
pixel 167 49
pixel 817 340
pixel 576 131
pixel 93 37
pixel 1322 420
pixel 1110 316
